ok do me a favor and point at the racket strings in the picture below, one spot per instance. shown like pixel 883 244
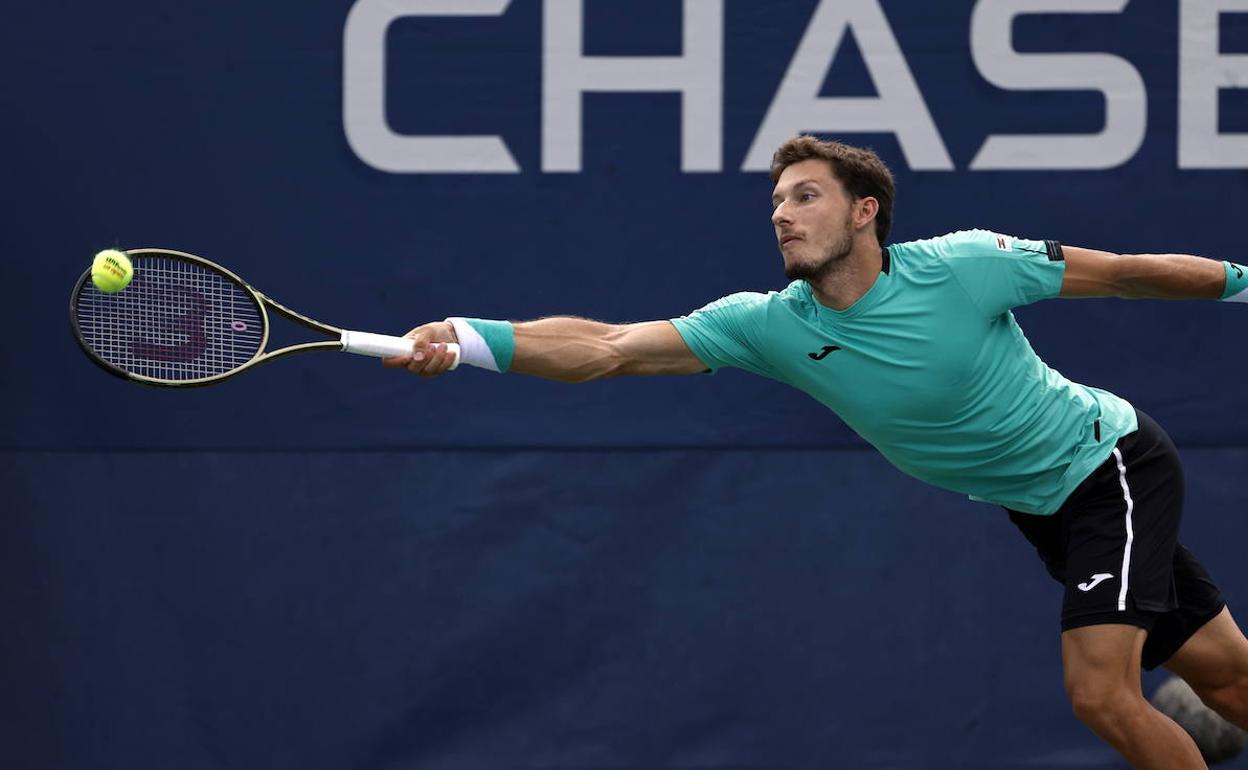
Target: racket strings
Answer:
pixel 176 321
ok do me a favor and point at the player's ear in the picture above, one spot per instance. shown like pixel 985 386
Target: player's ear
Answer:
pixel 865 210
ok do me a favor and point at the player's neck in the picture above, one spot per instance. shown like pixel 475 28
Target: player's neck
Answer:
pixel 847 279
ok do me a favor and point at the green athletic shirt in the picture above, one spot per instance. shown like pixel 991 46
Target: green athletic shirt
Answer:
pixel 930 367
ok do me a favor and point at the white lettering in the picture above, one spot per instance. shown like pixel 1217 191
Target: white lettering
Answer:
pixel 364 96
pixel 1126 101
pixel 1202 73
pixel 697 75
pixel 898 109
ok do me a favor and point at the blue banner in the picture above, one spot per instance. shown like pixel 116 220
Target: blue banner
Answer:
pixel 322 563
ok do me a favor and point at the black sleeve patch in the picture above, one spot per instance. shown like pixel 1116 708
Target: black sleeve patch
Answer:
pixel 1054 250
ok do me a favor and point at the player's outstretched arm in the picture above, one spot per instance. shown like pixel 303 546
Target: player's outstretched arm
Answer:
pixel 579 350
pixel 564 349
pixel 1091 273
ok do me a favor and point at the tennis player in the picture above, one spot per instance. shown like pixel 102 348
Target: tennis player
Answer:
pixel 915 348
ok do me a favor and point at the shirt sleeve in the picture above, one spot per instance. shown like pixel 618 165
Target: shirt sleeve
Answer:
pixel 727 332
pixel 1000 272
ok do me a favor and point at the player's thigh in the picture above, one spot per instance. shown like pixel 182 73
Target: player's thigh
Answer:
pixel 1215 656
pixel 1199 602
pixel 1102 661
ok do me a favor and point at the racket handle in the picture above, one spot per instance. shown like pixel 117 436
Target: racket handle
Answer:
pixel 385 346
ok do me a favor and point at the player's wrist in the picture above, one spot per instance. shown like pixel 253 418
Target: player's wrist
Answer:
pixel 1236 283
pixel 483 343
pixel 445 332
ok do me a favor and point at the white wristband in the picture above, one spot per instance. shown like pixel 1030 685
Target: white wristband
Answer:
pixel 472 347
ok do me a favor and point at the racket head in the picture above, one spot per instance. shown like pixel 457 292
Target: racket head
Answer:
pixel 182 321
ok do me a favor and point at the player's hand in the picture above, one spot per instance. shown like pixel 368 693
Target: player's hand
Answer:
pixel 429 356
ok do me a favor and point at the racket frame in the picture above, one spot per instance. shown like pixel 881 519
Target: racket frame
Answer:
pixel 263 303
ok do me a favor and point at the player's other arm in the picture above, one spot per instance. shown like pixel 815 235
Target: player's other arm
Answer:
pixel 565 349
pixel 1091 273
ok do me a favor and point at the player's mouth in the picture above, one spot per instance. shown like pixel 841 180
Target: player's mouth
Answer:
pixel 787 239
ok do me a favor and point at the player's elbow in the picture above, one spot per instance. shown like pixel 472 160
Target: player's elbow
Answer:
pixel 600 358
pixel 1150 276
pixel 614 357
pixel 597 369
pixel 628 350
pixel 1093 273
pixel 615 360
pixel 1129 276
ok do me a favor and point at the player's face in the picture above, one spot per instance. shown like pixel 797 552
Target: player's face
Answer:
pixel 813 219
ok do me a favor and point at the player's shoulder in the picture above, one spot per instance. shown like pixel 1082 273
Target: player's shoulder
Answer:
pixel 739 305
pixel 759 306
pixel 744 313
pixel 957 243
pixel 969 245
pixel 796 299
pixel 740 301
pixel 795 291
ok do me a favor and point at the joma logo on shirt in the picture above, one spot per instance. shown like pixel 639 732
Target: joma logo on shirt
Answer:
pixel 822 354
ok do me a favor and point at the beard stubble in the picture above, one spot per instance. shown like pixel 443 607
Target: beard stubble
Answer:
pixel 816 271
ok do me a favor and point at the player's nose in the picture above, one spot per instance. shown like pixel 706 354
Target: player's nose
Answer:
pixel 780 215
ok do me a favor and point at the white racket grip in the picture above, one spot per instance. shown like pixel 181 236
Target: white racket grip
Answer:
pixel 385 346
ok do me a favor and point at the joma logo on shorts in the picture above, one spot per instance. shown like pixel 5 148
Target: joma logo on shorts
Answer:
pixel 1096 580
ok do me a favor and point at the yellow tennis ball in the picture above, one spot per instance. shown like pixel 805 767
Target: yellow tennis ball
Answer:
pixel 111 271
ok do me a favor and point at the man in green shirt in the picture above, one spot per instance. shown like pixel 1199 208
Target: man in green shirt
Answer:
pixel 915 348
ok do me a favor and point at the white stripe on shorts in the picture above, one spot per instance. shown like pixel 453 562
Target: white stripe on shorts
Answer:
pixel 1126 552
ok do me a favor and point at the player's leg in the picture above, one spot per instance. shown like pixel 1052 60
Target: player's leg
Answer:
pixel 1113 546
pixel 1214 661
pixel 1101 664
pixel 1201 642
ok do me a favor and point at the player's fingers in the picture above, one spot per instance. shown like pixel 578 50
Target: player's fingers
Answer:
pixel 418 360
pixel 396 362
pixel 439 360
pixel 399 362
pixel 449 359
pixel 428 358
pixel 419 337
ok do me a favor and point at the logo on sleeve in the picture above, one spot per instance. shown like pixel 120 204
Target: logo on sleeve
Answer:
pixel 822 354
pixel 1096 580
pixel 1003 243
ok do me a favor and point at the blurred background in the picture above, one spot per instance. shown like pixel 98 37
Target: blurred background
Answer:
pixel 324 564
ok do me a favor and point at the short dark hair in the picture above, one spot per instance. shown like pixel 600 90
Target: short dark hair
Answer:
pixel 858 169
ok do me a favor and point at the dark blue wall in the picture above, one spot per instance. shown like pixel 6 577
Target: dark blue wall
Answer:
pixel 325 564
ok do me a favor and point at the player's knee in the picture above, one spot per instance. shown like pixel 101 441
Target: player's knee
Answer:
pixel 1229 698
pixel 1102 702
pixel 1223 687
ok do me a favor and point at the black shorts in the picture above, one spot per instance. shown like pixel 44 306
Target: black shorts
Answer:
pixel 1114 545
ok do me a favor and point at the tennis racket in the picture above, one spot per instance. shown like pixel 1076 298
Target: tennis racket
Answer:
pixel 184 321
